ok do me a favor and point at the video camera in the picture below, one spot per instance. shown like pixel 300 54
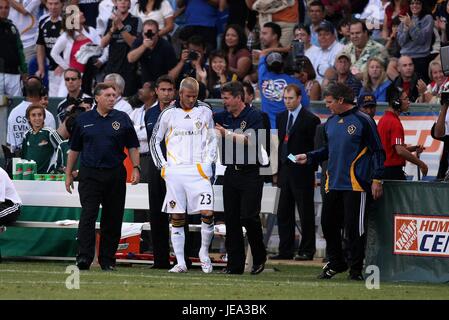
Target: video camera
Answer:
pixel 77 101
pixel 298 53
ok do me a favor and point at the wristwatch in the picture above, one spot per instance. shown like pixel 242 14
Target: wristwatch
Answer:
pixel 138 168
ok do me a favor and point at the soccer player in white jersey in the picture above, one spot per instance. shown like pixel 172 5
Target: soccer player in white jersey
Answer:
pixel 187 129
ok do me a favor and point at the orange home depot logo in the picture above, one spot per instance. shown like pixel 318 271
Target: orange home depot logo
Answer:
pixel 421 235
pixel 406 237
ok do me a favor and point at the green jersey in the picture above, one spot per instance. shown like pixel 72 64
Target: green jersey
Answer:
pixel 41 147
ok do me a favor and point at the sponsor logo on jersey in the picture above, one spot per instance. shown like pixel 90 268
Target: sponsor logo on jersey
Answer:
pixel 43 143
pixel 421 235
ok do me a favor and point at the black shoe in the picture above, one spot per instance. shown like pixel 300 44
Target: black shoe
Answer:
pixel 355 275
pixel 280 257
pixel 83 264
pixel 257 268
pixel 303 257
pixel 108 268
pixel 328 273
pixel 230 271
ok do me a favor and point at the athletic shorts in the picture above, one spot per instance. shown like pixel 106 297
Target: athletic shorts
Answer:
pixel 188 189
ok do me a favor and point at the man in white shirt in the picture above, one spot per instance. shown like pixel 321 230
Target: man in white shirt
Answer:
pixel 329 48
pixel 24 15
pixel 119 83
pixel 302 33
pixel 17 122
pixel 188 131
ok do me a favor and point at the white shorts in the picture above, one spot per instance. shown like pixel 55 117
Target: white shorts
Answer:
pixel 188 189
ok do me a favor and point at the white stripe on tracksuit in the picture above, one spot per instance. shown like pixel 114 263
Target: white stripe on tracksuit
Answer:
pixel 9 210
pixel 362 213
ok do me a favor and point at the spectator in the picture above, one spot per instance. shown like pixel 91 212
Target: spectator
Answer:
pixel 218 74
pixel 117 81
pixel 272 82
pixel 344 75
pixel 192 62
pixel 375 79
pixel 395 8
pixel 362 48
pixel 147 95
pixel 329 48
pixel 316 13
pixel 392 45
pixel 285 14
pixel 17 121
pixel 122 30
pixel 155 55
pixel 407 79
pixel 12 58
pixel 70 42
pixel 234 46
pixel 344 35
pixel 201 19
pixel 89 9
pixel 40 142
pixel 10 201
pixel 442 16
pixel 436 86
pixel 75 97
pixel 302 33
pixel 415 36
pixel 367 103
pixel 49 30
pixel 392 135
pixel 158 10
pixel 105 10
pixel 24 15
pixel 307 77
pixel 250 95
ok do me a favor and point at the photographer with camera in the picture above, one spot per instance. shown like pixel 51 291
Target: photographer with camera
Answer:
pixel 155 55
pixel 75 96
pixel 192 62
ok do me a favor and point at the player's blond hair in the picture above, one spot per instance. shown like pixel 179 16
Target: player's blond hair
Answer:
pixel 189 83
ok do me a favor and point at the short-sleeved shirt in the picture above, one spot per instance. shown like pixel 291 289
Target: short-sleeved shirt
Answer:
pixel 391 133
pixel 249 119
pixel 164 12
pixel 233 59
pixel 101 140
pixel 41 147
pixel 49 32
pixel 157 62
pixel 118 48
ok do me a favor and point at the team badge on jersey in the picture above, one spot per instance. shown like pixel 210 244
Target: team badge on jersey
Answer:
pixel 172 204
pixel 243 125
pixel 116 125
pixel 351 129
pixel 198 124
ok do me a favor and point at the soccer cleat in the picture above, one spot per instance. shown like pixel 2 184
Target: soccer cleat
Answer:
pixel 178 269
pixel 356 276
pixel 328 273
pixel 206 265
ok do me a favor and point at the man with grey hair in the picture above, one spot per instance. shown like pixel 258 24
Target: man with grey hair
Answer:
pixel 187 129
pixel 355 168
pixel 118 82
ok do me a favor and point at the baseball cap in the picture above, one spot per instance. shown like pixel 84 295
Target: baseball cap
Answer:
pixel 273 58
pixel 326 26
pixel 366 100
pixel 343 54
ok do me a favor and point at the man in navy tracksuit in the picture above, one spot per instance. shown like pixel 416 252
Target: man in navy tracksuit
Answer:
pixel 355 166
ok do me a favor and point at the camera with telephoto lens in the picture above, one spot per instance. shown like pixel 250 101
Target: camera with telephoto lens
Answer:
pixel 193 55
pixel 77 101
pixel 298 55
pixel 150 34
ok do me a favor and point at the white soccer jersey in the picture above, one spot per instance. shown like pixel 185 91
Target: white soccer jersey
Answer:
pixel 189 136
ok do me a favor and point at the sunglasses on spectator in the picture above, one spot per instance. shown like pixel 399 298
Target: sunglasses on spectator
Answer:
pixel 71 79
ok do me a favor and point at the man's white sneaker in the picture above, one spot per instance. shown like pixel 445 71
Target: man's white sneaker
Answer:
pixel 178 269
pixel 206 265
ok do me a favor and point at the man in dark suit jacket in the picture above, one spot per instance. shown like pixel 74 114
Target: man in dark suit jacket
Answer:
pixel 296 130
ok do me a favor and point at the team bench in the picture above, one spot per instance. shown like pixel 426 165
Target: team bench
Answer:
pixel 54 194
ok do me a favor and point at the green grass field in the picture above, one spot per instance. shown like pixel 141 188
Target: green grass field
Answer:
pixel 46 280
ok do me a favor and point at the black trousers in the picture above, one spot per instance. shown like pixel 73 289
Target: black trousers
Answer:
pixel 9 212
pixel 345 211
pixel 394 173
pixel 242 195
pixel 108 188
pixel 303 198
pixel 158 219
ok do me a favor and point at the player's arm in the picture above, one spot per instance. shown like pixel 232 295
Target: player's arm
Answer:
pixel 71 160
pixel 158 136
pixel 212 145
